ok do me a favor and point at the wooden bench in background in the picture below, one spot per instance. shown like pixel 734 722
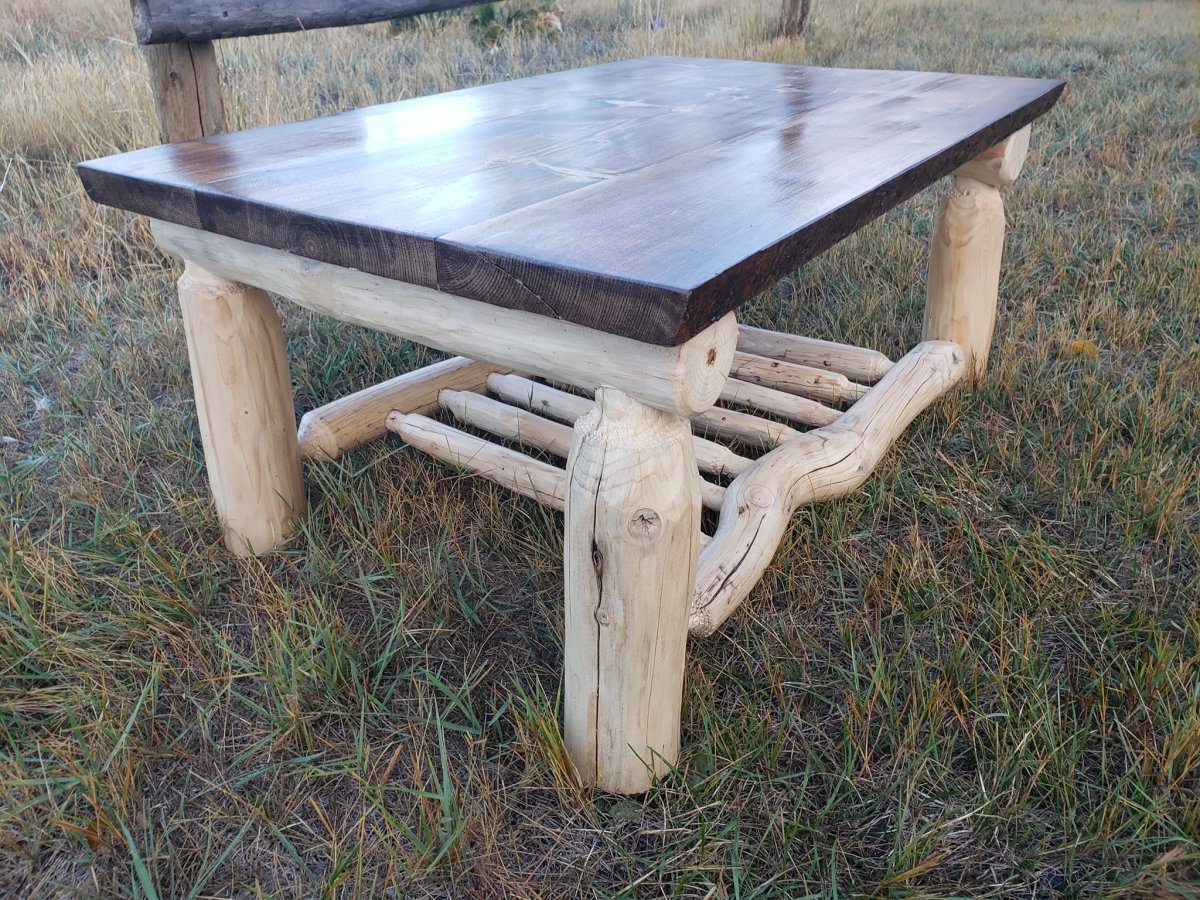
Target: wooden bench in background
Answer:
pixel 584 240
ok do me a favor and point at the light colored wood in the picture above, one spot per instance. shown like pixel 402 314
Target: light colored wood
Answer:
pixel 717 421
pixel 633 517
pixel 515 471
pixel 964 271
pixel 856 363
pixel 798 409
pixel 351 421
pixel 186 83
pixel 1000 165
pixel 540 398
pixel 527 476
pixel 743 427
pixel 711 457
pixel 793 378
pixel 532 430
pixel 686 379
pixel 508 422
pixel 820 465
pixel 244 405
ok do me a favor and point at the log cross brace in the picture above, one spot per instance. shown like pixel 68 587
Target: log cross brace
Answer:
pixel 798 382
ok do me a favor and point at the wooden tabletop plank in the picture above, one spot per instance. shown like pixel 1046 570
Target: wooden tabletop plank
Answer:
pixel 755 208
pixel 645 198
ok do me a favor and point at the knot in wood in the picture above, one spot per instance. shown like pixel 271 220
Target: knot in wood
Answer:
pixel 760 495
pixel 645 524
pixel 310 244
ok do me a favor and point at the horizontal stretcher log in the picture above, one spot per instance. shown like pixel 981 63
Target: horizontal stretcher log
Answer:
pixel 823 464
pixel 527 476
pixel 780 403
pixel 793 378
pixel 717 421
pixel 510 468
pixel 351 421
pixel 856 363
pixel 531 430
pixel 518 424
pixel 714 458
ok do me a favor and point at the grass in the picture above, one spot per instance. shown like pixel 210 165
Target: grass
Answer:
pixel 978 675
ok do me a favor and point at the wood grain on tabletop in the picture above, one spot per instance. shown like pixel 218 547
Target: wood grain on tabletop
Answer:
pixel 644 198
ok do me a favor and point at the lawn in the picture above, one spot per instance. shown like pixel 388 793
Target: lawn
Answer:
pixel 978 675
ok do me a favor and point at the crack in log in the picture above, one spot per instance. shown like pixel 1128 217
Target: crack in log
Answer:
pixel 598 569
pixel 737 565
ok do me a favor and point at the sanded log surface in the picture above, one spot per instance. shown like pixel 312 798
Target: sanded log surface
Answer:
pixel 351 421
pixel 854 363
pixel 717 421
pixel 686 378
pixel 964 270
pixel 632 538
pixel 244 404
pixel 769 400
pixel 808 381
pixel 510 468
pixel 158 21
pixel 548 401
pixel 1000 165
pixel 531 430
pixel 574 194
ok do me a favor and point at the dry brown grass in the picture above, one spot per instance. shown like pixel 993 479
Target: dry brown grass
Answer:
pixel 978 675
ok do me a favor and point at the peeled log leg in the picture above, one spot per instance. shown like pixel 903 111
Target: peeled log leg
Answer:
pixel 964 270
pixel 632 528
pixel 244 404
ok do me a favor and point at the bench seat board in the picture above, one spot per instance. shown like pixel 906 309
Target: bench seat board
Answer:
pixel 644 198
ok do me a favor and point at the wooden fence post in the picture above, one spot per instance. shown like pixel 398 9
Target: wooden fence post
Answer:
pixel 795 17
pixel 187 89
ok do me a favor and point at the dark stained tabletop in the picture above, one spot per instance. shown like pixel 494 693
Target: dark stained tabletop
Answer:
pixel 644 198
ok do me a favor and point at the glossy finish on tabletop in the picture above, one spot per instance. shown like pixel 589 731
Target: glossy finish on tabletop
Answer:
pixel 644 198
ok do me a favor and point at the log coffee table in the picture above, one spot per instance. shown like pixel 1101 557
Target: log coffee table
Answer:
pixel 595 229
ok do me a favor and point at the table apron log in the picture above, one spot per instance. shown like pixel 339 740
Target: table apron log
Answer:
pixel 686 379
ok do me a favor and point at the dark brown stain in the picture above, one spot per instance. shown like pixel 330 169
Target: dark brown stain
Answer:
pixel 644 198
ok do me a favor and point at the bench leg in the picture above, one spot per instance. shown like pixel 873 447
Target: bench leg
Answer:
pixel 964 263
pixel 632 539
pixel 244 404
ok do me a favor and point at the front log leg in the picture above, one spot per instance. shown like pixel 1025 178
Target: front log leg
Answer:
pixel 964 263
pixel 632 539
pixel 244 403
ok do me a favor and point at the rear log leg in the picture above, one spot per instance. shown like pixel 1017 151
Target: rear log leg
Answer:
pixel 964 263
